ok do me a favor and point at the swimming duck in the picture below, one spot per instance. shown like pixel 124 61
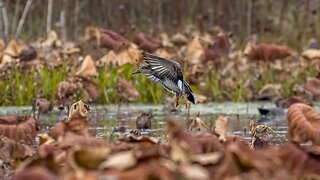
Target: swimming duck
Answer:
pixel 168 73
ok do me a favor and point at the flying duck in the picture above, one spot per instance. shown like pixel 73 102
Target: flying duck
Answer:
pixel 168 73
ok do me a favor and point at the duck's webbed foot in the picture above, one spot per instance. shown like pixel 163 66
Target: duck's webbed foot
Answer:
pixel 186 101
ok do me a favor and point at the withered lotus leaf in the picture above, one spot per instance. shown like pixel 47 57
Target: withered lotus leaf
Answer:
pixel 120 161
pixel 87 68
pixel 303 124
pixel 58 130
pixel 64 91
pixel 298 161
pixel 269 52
pixel 207 158
pixel 311 54
pixel 195 51
pixel 70 139
pixel 11 150
pixel 312 87
pixel 185 140
pixel 194 172
pixel 220 128
pixel 179 39
pixel 198 125
pixel 19 128
pixel 209 142
pixel 146 42
pixel 219 48
pixel 286 103
pixel 36 173
pixel 111 39
pixel 89 158
pixel 149 169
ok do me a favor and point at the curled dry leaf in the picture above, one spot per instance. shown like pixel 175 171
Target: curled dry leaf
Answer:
pixel 179 39
pixel 51 40
pixel 120 161
pixel 71 139
pixel 90 157
pixel 207 158
pixel 76 122
pixel 45 139
pixel 299 162
pixel 198 125
pixel 201 98
pixel 184 139
pixel 286 103
pixel 88 68
pixel 209 143
pixel 58 130
pixel 10 53
pixel 146 42
pixel 125 56
pixel 90 89
pixel 163 53
pixel 19 128
pixel 70 48
pixel 36 172
pixel 195 51
pixel 312 87
pixel 194 172
pixel 11 150
pixel 311 54
pixel 303 124
pixel 219 48
pixel 183 144
pixel 269 52
pixel 221 127
pixel 111 39
pixel 64 92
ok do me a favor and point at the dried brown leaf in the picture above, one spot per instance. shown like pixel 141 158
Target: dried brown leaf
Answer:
pixel 19 128
pixel 303 124
pixel 120 161
pixel 87 68
pixel 221 127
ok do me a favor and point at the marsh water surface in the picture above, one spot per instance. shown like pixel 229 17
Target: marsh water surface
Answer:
pixel 104 118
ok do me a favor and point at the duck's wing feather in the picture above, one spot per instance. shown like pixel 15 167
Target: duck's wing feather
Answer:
pixel 157 80
pixel 162 67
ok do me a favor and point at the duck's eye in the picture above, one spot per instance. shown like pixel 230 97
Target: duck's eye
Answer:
pixel 75 106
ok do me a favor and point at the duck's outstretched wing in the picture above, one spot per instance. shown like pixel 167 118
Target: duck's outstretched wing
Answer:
pixel 163 68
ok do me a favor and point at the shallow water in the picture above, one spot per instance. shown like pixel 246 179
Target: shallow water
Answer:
pixel 103 119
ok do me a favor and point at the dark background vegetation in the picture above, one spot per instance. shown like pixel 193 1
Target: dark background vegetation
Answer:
pixel 290 22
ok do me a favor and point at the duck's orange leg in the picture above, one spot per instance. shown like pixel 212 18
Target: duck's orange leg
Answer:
pixel 177 100
pixel 186 102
